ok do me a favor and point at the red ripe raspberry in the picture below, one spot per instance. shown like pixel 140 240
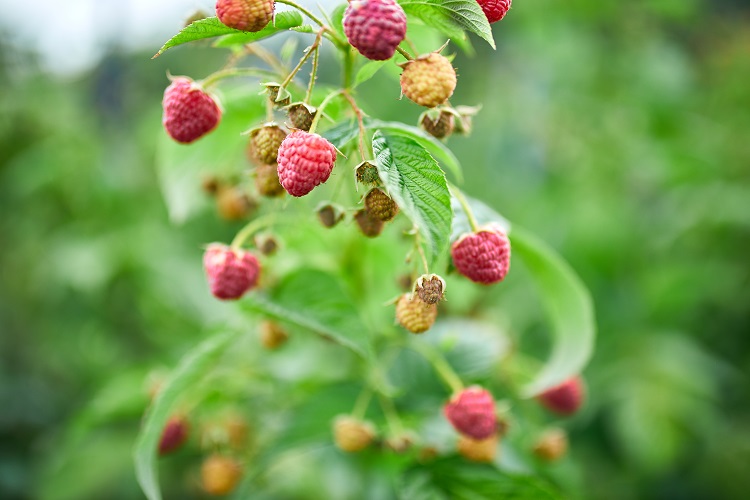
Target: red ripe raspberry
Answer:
pixel 375 27
pixel 563 399
pixel 484 256
pixel 245 15
pixel 305 160
pixel 189 112
pixel 495 10
pixel 230 272
pixel 175 433
pixel 472 413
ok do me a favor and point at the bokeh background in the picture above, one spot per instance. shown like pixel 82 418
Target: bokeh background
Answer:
pixel 617 132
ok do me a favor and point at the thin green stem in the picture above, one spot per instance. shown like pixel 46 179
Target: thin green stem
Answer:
pixel 467 209
pixel 312 48
pixel 348 67
pixel 404 53
pixel 440 365
pixel 391 416
pixel 411 45
pixel 360 123
pixel 420 251
pixel 313 75
pixel 232 72
pixel 322 106
pixel 363 401
pixel 333 36
pixel 251 228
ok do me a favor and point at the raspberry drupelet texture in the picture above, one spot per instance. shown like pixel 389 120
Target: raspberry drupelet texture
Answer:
pixel 565 398
pixel 429 80
pixel 245 15
pixel 230 272
pixel 484 256
pixel 264 143
pixel 495 10
pixel 414 314
pixel 380 206
pixel 305 160
pixel 472 413
pixel 189 112
pixel 375 27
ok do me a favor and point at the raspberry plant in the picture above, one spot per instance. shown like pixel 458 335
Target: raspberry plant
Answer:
pixel 342 208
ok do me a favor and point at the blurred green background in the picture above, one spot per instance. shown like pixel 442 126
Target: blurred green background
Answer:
pixel 617 132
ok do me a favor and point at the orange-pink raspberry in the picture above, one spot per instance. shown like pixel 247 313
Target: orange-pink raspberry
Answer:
pixel 495 10
pixel 375 27
pixel 484 256
pixel 245 15
pixel 189 112
pixel 472 413
pixel 173 436
pixel 230 272
pixel 565 398
pixel 304 161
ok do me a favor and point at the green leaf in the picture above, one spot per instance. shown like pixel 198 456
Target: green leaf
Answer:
pixel 188 373
pixel 346 132
pixel 452 17
pixel 568 305
pixel 367 71
pixel 415 181
pixel 203 28
pixel 566 299
pixel 316 301
pixel 283 21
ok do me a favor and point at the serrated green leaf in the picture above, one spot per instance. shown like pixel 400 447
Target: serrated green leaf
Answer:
pixel 198 30
pixel 415 181
pixel 452 16
pixel 367 71
pixel 566 299
pixel 345 132
pixel 331 315
pixel 191 369
pixel 283 21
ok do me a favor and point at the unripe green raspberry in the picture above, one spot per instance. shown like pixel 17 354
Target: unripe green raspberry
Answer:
pixel 429 80
pixel 267 181
pixel 380 206
pixel 279 97
pixel 415 315
pixel 301 116
pixel 352 434
pixel 367 173
pixel 245 15
pixel 264 143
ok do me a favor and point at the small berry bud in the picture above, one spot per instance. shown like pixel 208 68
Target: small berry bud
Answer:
pixel 351 434
pixel 267 181
pixel 367 173
pixel 368 225
pixel 551 445
pixel 380 206
pixel 430 288
pixel 301 116
pixel 415 315
pixel 478 450
pixel 439 124
pixel 272 335
pixel 330 215
pixel 278 96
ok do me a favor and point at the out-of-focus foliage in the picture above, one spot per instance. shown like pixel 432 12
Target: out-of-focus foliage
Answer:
pixel 617 132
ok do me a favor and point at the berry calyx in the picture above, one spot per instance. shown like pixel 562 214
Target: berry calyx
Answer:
pixel 351 434
pixel 428 80
pixel 565 398
pixel 305 160
pixel 380 206
pixel 430 288
pixel 245 15
pixel 189 112
pixel 174 435
pixel 230 272
pixel 220 474
pixel 367 173
pixel 414 314
pixel 495 10
pixel 375 27
pixel 472 413
pixel 484 256
pixel 478 450
pixel 277 95
pixel 264 143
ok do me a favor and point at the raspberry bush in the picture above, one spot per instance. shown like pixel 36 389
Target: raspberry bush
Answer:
pixel 356 236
